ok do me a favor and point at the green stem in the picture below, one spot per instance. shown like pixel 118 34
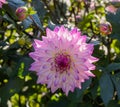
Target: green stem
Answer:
pixel 90 39
pixel 109 49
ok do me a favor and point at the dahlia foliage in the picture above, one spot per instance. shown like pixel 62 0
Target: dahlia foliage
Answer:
pixel 63 59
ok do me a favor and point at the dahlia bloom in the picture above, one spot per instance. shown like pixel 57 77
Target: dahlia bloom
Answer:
pixel 2 2
pixel 105 28
pixel 62 59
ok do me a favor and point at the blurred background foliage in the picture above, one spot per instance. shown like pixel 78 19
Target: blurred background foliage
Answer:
pixel 18 86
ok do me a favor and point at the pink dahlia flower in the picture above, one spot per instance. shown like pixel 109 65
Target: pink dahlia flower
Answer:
pixel 62 59
pixel 2 2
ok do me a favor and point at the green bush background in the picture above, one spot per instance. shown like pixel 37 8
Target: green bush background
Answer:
pixel 18 86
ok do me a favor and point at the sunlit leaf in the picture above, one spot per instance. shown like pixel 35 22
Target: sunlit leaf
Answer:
pixel 76 96
pixel 13 86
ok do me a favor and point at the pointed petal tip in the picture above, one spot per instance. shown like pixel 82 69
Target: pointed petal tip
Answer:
pixel 90 74
pixel 31 68
pixel 37 43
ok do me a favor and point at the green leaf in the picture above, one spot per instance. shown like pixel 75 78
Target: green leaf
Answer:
pixel 13 86
pixel 113 103
pixel 72 104
pixel 51 25
pixel 6 17
pixel 85 23
pixel 116 46
pixel 31 11
pixel 35 20
pixel 115 36
pixel 39 7
pixel 16 3
pixel 106 88
pixel 115 3
pixel 60 103
pixel 94 89
pixel 26 23
pixel 3 43
pixel 76 96
pixel 23 66
pixel 112 67
pixel 116 81
pixel 85 105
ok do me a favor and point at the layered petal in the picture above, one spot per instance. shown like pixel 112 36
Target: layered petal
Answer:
pixel 63 59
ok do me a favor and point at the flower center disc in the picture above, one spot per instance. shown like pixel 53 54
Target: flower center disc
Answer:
pixel 62 62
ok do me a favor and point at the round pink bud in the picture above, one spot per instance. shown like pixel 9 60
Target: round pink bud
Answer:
pixel 21 13
pixel 111 9
pixel 105 28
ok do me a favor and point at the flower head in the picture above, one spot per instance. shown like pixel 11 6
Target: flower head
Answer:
pixel 105 28
pixel 2 2
pixel 62 59
pixel 21 13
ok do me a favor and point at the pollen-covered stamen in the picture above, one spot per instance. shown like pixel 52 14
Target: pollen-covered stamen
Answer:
pixel 62 62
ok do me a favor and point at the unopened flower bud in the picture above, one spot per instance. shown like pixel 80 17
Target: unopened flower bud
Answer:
pixel 105 28
pixel 21 13
pixel 111 9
